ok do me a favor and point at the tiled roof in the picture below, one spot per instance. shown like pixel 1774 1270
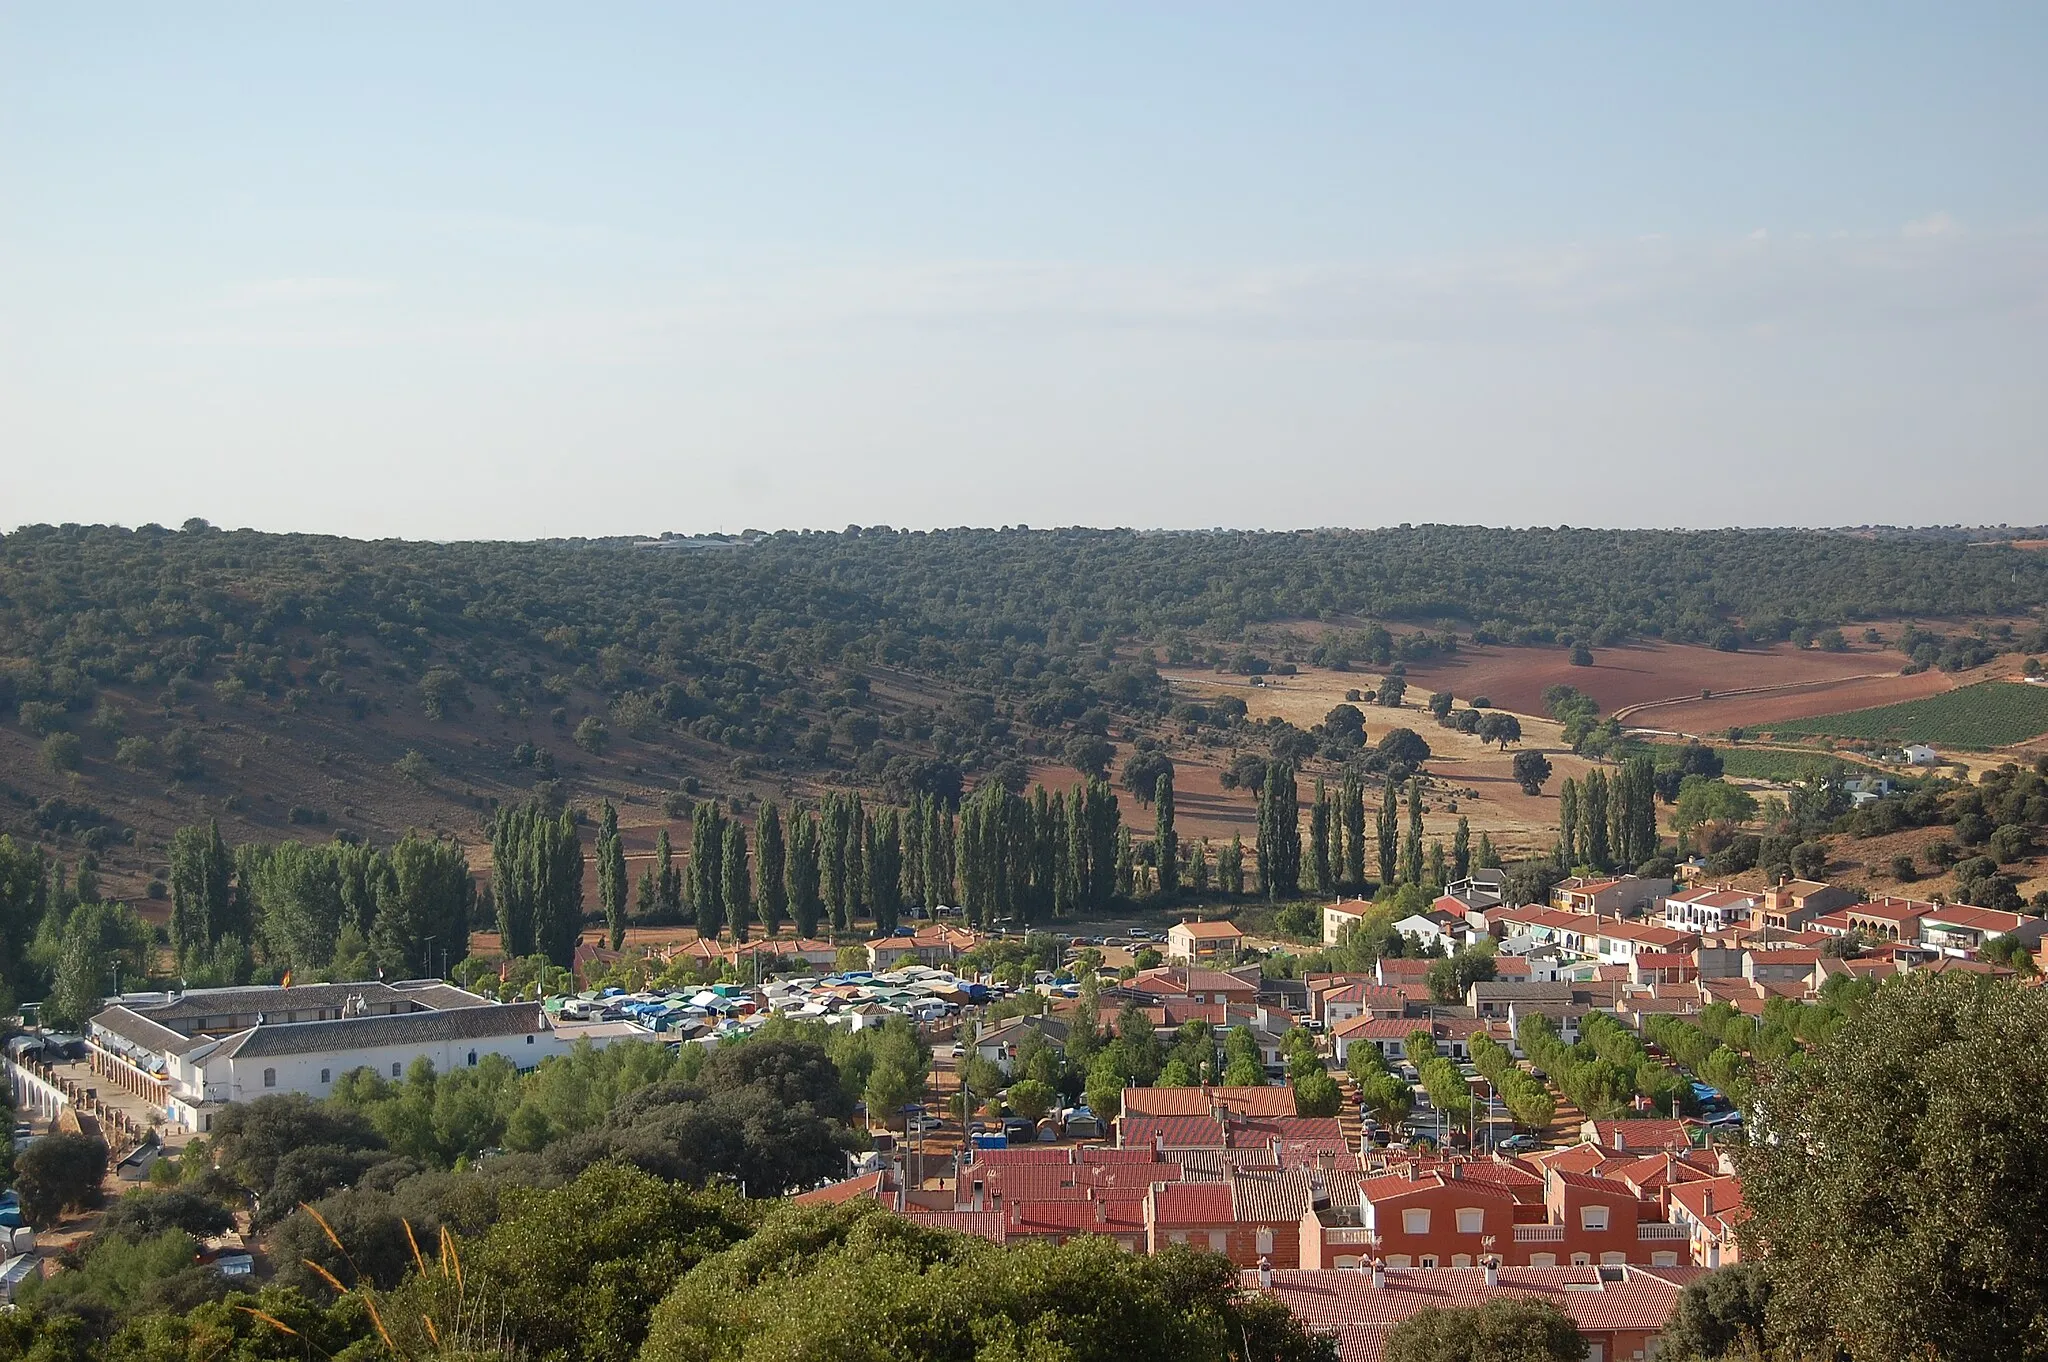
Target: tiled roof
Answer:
pixel 1643 1134
pixel 982 1224
pixel 1245 1101
pixel 406 1028
pixel 1168 981
pixel 849 1189
pixel 1170 1132
pixel 143 1033
pixel 1600 1300
pixel 1192 1203
pixel 1207 931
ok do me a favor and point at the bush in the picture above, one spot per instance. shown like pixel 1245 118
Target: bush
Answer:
pixel 63 752
pixel 592 735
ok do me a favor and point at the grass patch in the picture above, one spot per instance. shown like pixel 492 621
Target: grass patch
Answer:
pixel 1988 714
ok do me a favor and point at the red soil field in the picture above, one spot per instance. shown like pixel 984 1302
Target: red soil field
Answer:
pixel 1753 711
pixel 1515 678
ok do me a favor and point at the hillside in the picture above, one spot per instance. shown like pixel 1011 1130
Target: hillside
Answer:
pixel 299 683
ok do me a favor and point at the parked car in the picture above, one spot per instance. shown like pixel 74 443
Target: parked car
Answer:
pixel 1519 1144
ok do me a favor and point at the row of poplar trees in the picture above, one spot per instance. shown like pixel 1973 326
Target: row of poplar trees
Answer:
pixel 1610 824
pixel 1338 845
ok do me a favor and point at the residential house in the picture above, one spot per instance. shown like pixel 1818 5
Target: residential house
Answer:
pixel 1710 910
pixel 1959 929
pixel 1620 1311
pixel 1617 941
pixel 1201 943
pixel 1341 917
pixel 1188 983
pixel 1710 1209
pixel 1789 906
pixel 1919 754
pixel 1612 896
pixel 1000 1044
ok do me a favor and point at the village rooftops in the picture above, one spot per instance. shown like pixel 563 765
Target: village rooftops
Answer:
pixel 407 1028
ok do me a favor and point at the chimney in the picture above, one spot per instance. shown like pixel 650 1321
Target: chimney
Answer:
pixel 1708 1193
pixel 979 1195
pixel 1493 1272
pixel 1457 1170
pixel 1265 1275
pixel 1379 1273
pixel 1620 1137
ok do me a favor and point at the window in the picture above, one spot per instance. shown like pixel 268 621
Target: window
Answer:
pixel 1664 1258
pixel 1471 1219
pixel 270 1078
pixel 1581 1259
pixel 1351 1260
pixel 1415 1221
pixel 1429 1260
pixel 396 1070
pixel 1398 1260
pixel 1177 1237
pixel 327 1075
pixel 472 1059
pixel 1592 1217
pixel 1461 1260
pixel 1543 1260
pixel 1264 1242
pixel 1613 1259
pixel 1219 1241
pixel 529 1040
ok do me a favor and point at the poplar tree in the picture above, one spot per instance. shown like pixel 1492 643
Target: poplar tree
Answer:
pixel 203 908
pixel 1165 841
pixel 737 884
pixel 1593 843
pixel 1437 865
pixel 1461 849
pixel 1279 846
pixel 1319 828
pixel 1352 798
pixel 1568 823
pixel 1486 858
pixel 1126 865
pixel 800 874
pixel 770 857
pixel 1198 868
pixel 1230 867
pixel 668 883
pixel 883 860
pixel 706 871
pixel 611 875
pixel 1411 846
pixel 1389 831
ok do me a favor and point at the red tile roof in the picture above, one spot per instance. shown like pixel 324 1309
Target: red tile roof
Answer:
pixel 1191 1203
pixel 1245 1101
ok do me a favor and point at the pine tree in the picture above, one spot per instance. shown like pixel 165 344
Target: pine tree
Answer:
pixel 611 875
pixel 769 859
pixel 1461 849
pixel 800 876
pixel 1165 840
pixel 1230 867
pixel 1411 846
pixel 1319 826
pixel 737 884
pixel 706 871
pixel 1353 800
pixel 1389 831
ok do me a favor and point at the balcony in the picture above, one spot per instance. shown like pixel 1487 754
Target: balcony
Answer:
pixel 1539 1234
pixel 1347 1234
pixel 1653 1232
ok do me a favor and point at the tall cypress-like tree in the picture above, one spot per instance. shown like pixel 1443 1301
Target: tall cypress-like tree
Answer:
pixel 1198 867
pixel 1486 858
pixel 1280 833
pixel 1319 829
pixel 1437 865
pixel 706 871
pixel 668 880
pixel 1126 866
pixel 1104 822
pixel 1461 849
pixel 938 854
pixel 737 882
pixel 1230 867
pixel 202 891
pixel 1388 829
pixel 1351 798
pixel 1165 840
pixel 769 858
pixel 806 906
pixel 835 830
pixel 1593 843
pixel 611 875
pixel 884 863
pixel 1411 845
pixel 1568 823
pixel 912 825
pixel 512 834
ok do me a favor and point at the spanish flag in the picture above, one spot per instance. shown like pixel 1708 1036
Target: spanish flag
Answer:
pixel 287 980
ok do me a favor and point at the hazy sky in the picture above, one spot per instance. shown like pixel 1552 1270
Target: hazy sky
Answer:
pixel 447 270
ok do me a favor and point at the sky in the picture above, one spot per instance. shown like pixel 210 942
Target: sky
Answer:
pixel 511 271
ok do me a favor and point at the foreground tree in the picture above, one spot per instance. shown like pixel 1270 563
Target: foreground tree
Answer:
pixel 1531 770
pixel 1505 1329
pixel 1899 1177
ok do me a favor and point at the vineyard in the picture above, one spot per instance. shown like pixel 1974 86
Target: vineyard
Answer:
pixel 1988 714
